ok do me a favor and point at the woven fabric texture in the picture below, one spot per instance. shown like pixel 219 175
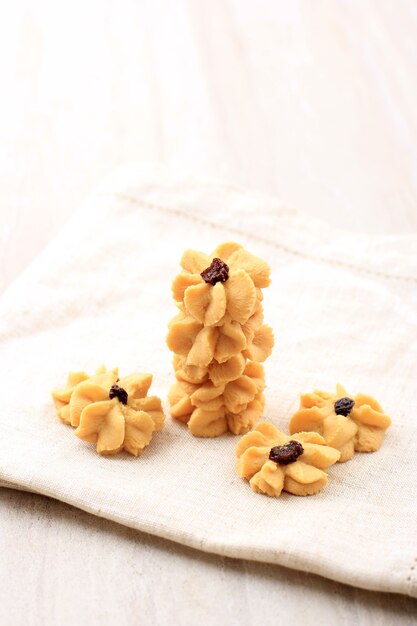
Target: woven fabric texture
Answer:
pixel 344 309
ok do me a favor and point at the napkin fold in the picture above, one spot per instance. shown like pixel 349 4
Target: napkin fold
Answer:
pixel 344 309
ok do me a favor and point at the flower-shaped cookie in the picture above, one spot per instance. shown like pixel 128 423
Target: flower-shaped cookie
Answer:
pixel 210 410
pixel 217 373
pixel 274 462
pixel 226 282
pixel 200 345
pixel 114 415
pixel 62 397
pixel 346 422
pixel 204 422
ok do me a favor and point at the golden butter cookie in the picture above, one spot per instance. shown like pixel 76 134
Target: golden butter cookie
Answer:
pixel 273 462
pixel 115 414
pixel 348 423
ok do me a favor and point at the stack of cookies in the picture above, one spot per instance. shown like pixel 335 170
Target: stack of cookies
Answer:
pixel 219 341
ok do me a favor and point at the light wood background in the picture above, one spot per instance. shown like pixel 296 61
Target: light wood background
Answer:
pixel 313 101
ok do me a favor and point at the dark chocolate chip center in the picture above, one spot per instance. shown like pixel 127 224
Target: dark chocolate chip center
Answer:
pixel 119 393
pixel 217 272
pixel 344 406
pixel 288 453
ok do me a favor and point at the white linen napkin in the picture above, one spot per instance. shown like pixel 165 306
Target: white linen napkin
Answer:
pixel 344 309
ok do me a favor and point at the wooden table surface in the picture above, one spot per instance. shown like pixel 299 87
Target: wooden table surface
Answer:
pixel 313 101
